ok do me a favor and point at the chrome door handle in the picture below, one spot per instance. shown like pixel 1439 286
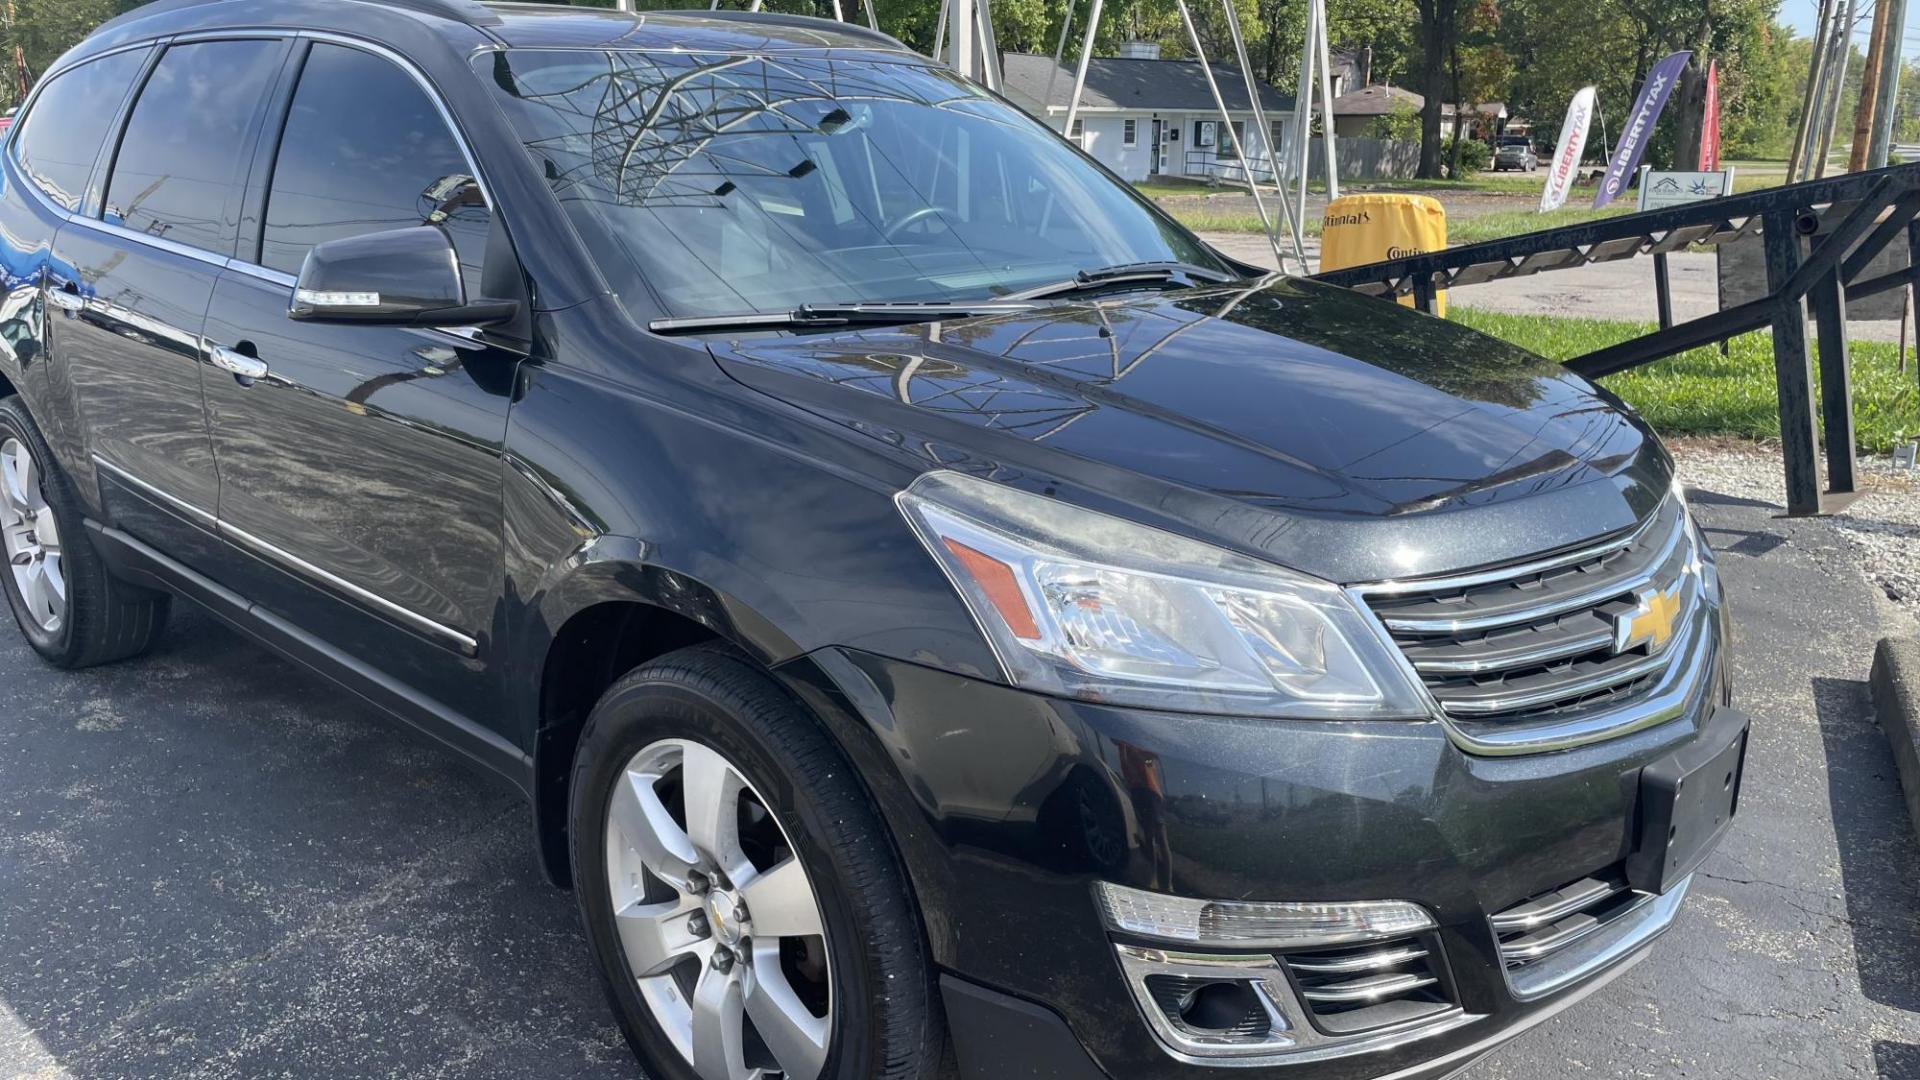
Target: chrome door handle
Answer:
pixel 69 302
pixel 238 363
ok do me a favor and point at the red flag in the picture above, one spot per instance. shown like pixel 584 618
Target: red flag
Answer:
pixel 1710 123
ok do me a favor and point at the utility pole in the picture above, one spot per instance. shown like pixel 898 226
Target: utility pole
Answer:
pixel 1803 138
pixel 1840 44
pixel 1869 91
pixel 1889 85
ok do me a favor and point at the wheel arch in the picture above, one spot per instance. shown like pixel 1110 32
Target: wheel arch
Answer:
pixel 614 612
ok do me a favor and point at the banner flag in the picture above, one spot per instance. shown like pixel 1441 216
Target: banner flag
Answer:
pixel 1639 130
pixel 1710 123
pixel 1567 152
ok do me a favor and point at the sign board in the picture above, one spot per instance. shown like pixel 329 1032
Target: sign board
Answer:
pixel 1659 190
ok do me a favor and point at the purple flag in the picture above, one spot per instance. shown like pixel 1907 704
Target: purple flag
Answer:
pixel 1639 130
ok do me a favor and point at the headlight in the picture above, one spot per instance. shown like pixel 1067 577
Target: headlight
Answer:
pixel 1081 604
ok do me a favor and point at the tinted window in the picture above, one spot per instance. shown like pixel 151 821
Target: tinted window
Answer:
pixel 179 166
pixel 366 150
pixel 740 183
pixel 62 134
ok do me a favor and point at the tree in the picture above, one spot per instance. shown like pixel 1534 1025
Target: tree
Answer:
pixel 38 31
pixel 1481 71
pixel 1401 123
pixel 1439 23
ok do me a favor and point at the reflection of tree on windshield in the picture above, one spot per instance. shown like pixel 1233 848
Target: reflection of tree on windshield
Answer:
pixel 755 183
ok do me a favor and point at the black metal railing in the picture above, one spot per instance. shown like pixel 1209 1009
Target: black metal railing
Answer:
pixel 1850 220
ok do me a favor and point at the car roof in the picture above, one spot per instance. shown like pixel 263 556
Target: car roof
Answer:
pixel 525 25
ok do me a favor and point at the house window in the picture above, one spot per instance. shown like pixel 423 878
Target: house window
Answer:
pixel 1079 129
pixel 1129 133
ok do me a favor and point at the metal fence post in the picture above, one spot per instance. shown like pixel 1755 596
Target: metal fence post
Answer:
pixel 1663 291
pixel 1793 368
pixel 1423 292
pixel 1829 301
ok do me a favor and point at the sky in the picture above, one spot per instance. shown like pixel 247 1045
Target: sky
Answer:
pixel 1800 15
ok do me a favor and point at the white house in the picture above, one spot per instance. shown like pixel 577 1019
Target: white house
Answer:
pixel 1142 116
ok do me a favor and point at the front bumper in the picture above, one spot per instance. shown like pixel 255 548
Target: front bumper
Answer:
pixel 1008 807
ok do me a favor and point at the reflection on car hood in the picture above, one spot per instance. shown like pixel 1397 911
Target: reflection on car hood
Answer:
pixel 1241 413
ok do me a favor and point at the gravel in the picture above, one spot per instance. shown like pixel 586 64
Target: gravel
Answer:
pixel 1882 527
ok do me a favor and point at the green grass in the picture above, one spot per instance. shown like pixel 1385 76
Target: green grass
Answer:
pixel 1465 230
pixel 1704 393
pixel 1504 223
pixel 1201 219
pixel 1167 186
pixel 1502 183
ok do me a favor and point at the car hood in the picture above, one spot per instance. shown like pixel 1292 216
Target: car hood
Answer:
pixel 1331 431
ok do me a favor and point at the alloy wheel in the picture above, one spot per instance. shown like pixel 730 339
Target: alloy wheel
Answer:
pixel 719 922
pixel 31 538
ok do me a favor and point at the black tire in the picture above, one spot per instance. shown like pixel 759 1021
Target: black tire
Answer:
pixel 106 619
pixel 891 1027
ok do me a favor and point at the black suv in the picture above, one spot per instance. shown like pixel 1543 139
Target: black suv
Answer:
pixel 940 611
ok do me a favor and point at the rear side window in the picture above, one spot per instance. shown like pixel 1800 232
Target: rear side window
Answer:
pixel 365 150
pixel 63 131
pixel 178 172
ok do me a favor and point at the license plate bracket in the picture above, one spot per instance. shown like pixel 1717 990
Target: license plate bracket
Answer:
pixel 1687 801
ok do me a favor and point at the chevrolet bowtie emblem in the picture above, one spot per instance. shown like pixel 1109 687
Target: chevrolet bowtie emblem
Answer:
pixel 1649 623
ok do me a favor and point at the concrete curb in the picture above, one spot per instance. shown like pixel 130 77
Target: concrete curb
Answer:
pixel 1896 703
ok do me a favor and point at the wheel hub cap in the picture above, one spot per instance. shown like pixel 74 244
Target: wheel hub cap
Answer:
pixel 726 917
pixel 29 538
pixel 720 926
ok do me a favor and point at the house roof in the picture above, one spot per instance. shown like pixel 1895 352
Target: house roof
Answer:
pixel 1380 100
pixel 1118 83
pixel 1377 101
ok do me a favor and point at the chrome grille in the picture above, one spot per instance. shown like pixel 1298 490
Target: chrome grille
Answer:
pixel 1363 987
pixel 1526 641
pixel 1544 926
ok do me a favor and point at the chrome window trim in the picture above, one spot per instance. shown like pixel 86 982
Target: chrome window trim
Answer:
pixel 407 66
pixel 158 243
pixel 168 498
pixel 267 274
pixel 466 644
pixel 25 179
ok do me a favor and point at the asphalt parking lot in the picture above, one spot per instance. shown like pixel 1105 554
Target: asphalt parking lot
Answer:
pixel 213 866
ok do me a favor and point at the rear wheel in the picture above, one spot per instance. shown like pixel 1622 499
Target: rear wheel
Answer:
pixel 72 611
pixel 738 888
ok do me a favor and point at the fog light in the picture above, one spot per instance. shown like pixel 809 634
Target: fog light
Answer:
pixel 1263 924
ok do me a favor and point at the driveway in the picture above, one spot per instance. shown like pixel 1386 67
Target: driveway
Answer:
pixel 212 866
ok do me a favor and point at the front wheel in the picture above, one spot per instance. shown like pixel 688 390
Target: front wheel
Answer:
pixel 73 612
pixel 739 889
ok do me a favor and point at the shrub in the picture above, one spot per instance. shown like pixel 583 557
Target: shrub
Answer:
pixel 1475 156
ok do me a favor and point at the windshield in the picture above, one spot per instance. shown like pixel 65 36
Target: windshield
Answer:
pixel 729 183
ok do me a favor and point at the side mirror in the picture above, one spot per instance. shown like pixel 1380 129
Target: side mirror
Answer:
pixel 402 277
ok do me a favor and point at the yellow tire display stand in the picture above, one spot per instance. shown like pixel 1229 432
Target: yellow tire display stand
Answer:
pixel 1361 229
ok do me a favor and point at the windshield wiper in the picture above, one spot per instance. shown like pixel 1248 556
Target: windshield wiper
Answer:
pixel 1121 274
pixel 816 315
